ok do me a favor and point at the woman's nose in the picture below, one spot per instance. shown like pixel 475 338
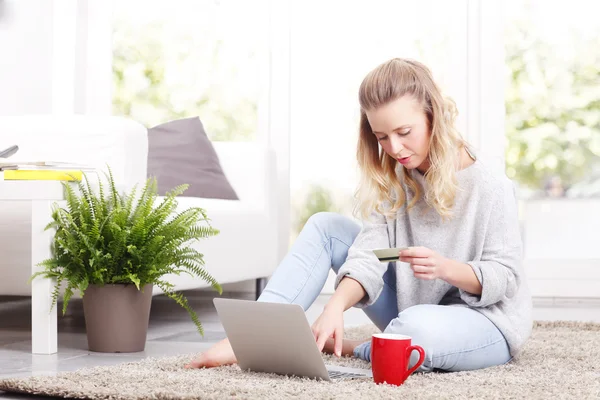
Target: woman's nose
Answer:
pixel 397 145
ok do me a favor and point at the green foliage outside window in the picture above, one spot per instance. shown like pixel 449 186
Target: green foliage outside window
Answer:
pixel 156 80
pixel 552 109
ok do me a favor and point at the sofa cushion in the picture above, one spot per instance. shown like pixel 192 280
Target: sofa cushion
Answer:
pixel 180 152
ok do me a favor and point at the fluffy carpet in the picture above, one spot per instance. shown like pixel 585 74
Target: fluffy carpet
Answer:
pixel 561 360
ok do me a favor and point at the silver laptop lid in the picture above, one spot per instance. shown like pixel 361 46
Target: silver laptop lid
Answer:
pixel 271 337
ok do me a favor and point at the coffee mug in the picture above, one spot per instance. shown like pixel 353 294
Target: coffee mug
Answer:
pixel 390 356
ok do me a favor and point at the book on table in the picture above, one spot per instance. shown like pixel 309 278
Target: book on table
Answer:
pixel 43 170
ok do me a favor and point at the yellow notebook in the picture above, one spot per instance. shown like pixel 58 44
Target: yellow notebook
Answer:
pixel 41 175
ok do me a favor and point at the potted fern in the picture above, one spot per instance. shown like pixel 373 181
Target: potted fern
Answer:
pixel 113 248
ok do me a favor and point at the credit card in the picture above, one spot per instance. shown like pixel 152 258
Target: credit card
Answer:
pixel 387 255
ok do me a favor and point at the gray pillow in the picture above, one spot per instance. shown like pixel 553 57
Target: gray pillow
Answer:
pixel 180 152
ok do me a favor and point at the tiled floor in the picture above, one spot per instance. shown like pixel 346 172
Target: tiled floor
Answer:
pixel 171 332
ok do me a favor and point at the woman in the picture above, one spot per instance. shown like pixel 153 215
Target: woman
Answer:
pixel 458 290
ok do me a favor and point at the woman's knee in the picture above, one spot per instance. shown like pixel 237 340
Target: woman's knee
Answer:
pixel 334 225
pixel 336 231
pixel 413 322
pixel 325 220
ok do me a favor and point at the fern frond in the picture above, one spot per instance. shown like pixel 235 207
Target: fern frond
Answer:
pixel 182 301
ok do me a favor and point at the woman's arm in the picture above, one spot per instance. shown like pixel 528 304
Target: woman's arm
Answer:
pixel 348 293
pixel 362 265
pixel 331 321
pixel 462 276
pixel 499 268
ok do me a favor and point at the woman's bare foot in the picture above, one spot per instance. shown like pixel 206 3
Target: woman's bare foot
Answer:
pixel 219 354
pixel 348 346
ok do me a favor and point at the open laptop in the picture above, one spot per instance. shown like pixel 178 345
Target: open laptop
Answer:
pixel 276 338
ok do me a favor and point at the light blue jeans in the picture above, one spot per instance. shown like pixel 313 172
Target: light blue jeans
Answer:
pixel 454 338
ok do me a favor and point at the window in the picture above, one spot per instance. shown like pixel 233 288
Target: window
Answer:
pixel 192 57
pixel 553 140
pixel 553 97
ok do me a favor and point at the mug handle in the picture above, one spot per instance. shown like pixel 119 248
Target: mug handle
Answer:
pixel 409 351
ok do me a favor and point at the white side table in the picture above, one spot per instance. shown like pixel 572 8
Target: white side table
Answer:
pixel 41 194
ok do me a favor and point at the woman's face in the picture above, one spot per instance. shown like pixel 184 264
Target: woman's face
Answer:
pixel 402 131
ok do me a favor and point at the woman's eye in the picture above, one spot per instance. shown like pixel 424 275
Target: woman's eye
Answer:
pixel 382 138
pixel 404 133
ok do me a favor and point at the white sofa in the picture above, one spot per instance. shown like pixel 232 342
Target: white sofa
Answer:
pixel 246 247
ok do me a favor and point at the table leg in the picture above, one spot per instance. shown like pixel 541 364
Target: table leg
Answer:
pixel 43 321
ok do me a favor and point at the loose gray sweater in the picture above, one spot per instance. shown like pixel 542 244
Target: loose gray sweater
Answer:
pixel 483 233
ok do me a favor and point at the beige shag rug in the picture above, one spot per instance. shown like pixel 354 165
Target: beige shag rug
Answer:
pixel 561 360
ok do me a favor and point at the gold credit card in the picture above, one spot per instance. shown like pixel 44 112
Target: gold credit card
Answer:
pixel 387 255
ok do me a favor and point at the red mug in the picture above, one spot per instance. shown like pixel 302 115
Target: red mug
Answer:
pixel 390 356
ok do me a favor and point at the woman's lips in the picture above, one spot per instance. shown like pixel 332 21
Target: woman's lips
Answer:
pixel 404 160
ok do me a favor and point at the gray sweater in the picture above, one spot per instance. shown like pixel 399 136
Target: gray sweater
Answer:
pixel 483 233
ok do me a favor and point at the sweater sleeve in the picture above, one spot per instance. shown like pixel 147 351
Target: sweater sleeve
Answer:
pixel 499 268
pixel 361 263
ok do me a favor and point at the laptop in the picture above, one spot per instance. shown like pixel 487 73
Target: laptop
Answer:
pixel 276 338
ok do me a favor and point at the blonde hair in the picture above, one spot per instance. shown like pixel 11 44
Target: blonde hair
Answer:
pixel 380 183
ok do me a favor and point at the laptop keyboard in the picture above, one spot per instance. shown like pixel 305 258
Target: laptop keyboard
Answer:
pixel 341 375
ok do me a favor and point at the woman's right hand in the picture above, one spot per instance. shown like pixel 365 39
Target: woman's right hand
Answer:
pixel 330 324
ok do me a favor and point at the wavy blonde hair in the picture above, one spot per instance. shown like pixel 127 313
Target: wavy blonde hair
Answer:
pixel 380 182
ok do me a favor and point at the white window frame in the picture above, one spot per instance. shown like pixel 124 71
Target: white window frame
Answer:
pixel 278 112
pixel 485 62
pixel 81 57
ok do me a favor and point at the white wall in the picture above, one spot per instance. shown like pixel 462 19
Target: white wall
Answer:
pixel 26 34
pixel 55 57
pixel 562 256
pixel 26 70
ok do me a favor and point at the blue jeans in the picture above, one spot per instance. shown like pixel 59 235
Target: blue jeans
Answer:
pixel 454 338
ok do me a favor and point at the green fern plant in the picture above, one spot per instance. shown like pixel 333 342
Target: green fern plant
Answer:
pixel 106 237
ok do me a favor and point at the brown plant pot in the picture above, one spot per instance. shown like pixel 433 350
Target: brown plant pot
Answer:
pixel 116 317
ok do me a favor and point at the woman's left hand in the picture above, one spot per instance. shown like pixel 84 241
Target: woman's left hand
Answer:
pixel 425 263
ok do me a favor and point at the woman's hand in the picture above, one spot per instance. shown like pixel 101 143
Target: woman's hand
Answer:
pixel 330 324
pixel 425 263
